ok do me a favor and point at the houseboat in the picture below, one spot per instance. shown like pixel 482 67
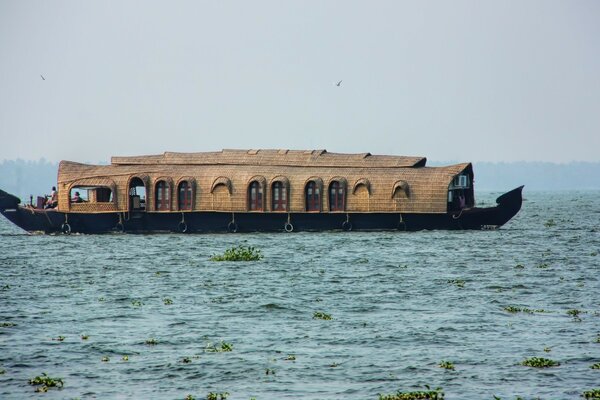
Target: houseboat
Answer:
pixel 260 190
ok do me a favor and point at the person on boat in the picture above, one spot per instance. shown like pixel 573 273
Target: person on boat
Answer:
pixel 76 198
pixel 53 201
pixel 461 201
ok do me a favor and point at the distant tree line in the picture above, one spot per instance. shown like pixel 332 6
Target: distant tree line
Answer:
pixel 25 178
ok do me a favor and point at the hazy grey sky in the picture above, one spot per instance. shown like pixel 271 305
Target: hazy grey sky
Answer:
pixel 449 80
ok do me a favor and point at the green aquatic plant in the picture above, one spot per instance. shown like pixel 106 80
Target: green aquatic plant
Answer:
pixel 189 397
pixel 125 358
pixel 595 366
pixel 220 348
pixel 151 342
pixel 436 394
pixel 217 396
pixel 543 265
pixel 539 362
pixel 46 382
pixel 269 371
pixel 597 340
pixel 167 301
pixel 514 310
pixel 105 359
pixel 458 282
pixel 575 313
pixel 591 394
pixel 239 253
pixel 186 360
pixel 547 349
pixel 137 303
pixel 2 371
pixel 446 365
pixel 550 223
pixel 290 357
pixel 85 337
pixel 7 324
pixel 321 315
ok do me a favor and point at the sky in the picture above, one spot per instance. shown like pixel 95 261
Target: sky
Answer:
pixel 478 80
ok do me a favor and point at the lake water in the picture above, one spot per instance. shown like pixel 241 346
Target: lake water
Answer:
pixel 401 303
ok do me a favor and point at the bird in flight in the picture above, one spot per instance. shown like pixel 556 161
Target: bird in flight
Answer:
pixel 339 83
pixel 43 77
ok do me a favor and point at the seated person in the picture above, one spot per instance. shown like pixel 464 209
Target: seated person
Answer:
pixel 76 198
pixel 53 201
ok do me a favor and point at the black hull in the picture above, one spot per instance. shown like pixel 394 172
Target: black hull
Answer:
pixel 50 221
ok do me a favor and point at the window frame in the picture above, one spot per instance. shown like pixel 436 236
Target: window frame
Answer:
pixel 312 201
pixel 162 189
pixel 337 199
pixel 185 204
pixel 281 204
pixel 257 203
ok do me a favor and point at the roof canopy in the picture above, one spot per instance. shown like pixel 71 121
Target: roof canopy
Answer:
pixel 301 158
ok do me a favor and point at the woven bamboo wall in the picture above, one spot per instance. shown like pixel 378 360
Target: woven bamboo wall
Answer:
pixel 427 192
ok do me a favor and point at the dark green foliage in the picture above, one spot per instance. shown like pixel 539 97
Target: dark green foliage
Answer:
pixel 436 394
pixel 539 362
pixel 46 382
pixel 458 282
pixel 239 253
pixel 217 396
pixel 220 348
pixel 321 315
pixel 446 365
pixel 514 310
pixel 591 394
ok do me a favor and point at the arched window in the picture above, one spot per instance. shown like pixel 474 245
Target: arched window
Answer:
pixel 255 196
pixel 184 199
pixel 337 196
pixel 313 196
pixel 162 196
pixel 279 196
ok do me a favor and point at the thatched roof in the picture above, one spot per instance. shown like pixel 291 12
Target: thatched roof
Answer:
pixel 300 158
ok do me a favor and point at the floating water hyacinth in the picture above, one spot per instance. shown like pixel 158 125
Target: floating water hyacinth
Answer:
pixel 217 396
pixel 436 394
pixel 514 310
pixel 46 382
pixel 457 282
pixel 593 394
pixel 222 347
pixel 446 365
pixel 321 315
pixel 539 362
pixel 239 253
